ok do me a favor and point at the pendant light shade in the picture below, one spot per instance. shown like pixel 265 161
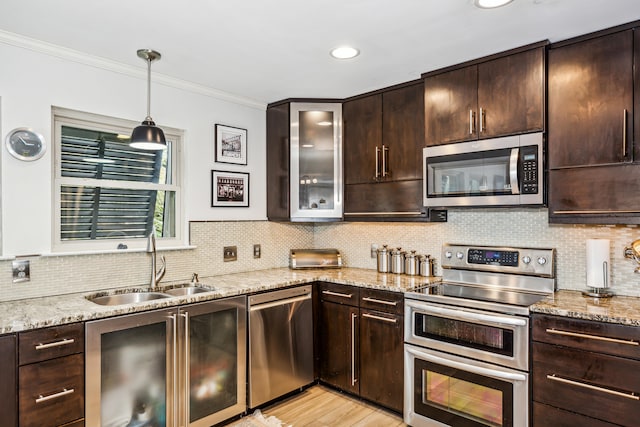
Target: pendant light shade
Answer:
pixel 148 136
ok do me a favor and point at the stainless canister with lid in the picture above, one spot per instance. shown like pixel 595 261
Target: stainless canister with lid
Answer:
pixel 397 261
pixel 411 263
pixel 384 259
pixel 426 265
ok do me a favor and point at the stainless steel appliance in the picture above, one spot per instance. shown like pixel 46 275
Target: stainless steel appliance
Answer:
pixel 280 343
pixel 167 368
pixel 314 258
pixel 489 172
pixel 466 339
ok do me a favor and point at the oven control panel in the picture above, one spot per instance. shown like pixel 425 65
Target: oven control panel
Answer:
pixel 533 261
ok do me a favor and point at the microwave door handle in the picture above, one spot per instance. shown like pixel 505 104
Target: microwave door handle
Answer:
pixel 513 170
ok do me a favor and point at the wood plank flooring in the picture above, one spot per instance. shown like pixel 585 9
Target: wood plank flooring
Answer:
pixel 320 406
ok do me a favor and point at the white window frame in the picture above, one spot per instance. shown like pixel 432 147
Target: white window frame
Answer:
pixel 66 117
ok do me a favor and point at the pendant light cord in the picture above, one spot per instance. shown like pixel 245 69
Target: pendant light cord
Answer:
pixel 149 89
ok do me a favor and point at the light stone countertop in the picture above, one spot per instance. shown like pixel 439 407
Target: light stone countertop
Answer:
pixel 42 312
pixel 618 309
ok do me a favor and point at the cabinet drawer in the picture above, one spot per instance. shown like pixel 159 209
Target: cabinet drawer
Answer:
pixel 386 301
pixel 48 343
pixel 545 416
pixel 340 294
pixel 617 340
pixel 597 385
pixel 51 393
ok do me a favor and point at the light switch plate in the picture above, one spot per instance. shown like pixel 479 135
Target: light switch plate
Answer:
pixel 257 251
pixel 230 253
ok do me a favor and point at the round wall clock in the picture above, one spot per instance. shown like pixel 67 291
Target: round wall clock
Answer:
pixel 25 144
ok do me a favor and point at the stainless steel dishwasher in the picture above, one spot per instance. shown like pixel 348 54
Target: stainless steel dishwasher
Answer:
pixel 280 343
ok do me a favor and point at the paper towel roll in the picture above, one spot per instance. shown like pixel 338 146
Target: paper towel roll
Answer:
pixel 598 263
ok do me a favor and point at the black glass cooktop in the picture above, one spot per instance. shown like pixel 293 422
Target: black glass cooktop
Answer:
pixel 478 293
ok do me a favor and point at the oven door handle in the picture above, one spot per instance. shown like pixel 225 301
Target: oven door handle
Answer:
pixel 467 315
pixel 501 375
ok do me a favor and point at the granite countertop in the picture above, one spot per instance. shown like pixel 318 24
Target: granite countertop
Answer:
pixel 619 309
pixel 36 313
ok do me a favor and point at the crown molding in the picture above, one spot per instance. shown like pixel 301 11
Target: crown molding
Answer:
pixel 72 55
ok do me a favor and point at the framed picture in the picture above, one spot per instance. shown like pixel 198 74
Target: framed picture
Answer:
pixel 231 145
pixel 229 189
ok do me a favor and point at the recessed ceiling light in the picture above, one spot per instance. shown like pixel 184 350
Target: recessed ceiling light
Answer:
pixel 344 52
pixel 491 4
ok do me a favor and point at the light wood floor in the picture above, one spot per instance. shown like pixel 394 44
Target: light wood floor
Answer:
pixel 320 406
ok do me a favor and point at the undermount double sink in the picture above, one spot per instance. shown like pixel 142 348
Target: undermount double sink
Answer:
pixel 134 297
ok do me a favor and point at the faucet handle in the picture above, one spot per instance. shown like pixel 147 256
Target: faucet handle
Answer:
pixel 194 278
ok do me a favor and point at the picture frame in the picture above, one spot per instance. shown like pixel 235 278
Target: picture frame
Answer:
pixel 229 189
pixel 230 144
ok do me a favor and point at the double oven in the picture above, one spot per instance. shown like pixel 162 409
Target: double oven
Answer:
pixel 466 351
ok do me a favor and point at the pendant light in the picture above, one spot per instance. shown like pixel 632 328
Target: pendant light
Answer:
pixel 147 136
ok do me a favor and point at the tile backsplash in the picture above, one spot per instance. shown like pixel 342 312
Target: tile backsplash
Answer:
pixel 52 275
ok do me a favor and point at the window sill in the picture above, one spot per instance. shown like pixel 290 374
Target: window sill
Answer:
pixel 116 251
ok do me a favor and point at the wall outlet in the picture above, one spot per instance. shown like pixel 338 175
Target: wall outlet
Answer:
pixel 21 271
pixel 374 250
pixel 257 251
pixel 230 253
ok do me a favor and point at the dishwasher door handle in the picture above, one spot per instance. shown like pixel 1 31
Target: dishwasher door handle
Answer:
pixel 279 302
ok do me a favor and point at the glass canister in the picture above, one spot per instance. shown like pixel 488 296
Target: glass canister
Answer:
pixel 397 261
pixel 411 263
pixel 384 258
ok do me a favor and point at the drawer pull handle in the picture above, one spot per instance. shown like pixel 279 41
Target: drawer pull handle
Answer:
pixel 592 337
pixel 380 301
pixel 633 396
pixel 337 294
pixel 65 341
pixel 64 392
pixel 384 319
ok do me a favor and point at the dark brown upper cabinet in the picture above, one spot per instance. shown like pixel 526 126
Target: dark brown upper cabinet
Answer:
pixel 383 136
pixel 500 95
pixel 591 101
pixel 593 160
pixel 383 140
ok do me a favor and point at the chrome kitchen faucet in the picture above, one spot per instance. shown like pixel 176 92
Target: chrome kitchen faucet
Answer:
pixel 156 276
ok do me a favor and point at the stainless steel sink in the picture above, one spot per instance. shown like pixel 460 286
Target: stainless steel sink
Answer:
pixel 186 290
pixel 128 298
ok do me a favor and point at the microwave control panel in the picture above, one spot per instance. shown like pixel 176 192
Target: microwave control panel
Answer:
pixel 528 170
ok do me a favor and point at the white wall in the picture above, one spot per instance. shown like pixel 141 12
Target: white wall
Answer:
pixel 32 82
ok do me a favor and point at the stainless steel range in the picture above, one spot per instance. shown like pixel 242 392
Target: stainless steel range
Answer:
pixel 466 339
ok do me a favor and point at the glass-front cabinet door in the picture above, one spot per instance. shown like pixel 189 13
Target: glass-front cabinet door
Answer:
pixel 129 370
pixel 316 161
pixel 214 361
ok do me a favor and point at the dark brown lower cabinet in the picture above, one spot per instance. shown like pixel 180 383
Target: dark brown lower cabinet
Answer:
pixel 585 373
pixel 381 358
pixel 8 395
pixel 361 343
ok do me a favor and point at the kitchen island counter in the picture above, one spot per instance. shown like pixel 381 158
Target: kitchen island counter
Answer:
pixel 42 312
pixel 622 310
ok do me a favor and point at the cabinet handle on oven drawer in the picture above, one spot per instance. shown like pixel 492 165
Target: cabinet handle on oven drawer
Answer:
pixel 591 337
pixel 64 392
pixel 380 301
pixel 337 294
pixel 384 319
pixel 633 396
pixel 65 341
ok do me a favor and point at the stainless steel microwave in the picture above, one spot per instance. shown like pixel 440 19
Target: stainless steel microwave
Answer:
pixel 490 172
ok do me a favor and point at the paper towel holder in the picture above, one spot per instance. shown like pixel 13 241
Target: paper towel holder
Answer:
pixel 603 292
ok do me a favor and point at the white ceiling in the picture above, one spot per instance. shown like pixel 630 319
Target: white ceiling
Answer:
pixel 267 50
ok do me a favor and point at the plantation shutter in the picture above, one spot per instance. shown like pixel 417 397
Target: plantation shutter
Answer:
pixel 101 211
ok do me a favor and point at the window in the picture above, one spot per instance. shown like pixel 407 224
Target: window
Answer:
pixel 109 195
